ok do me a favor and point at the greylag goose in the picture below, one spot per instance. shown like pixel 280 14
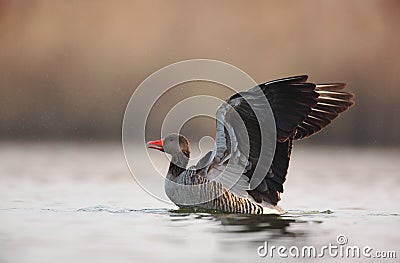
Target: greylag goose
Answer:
pixel 300 109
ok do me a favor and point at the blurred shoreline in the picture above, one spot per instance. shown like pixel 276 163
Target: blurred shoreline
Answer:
pixel 81 142
pixel 68 69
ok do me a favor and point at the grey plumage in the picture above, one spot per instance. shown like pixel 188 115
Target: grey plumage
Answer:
pixel 222 178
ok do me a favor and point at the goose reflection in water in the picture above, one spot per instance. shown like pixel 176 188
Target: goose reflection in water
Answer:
pixel 273 226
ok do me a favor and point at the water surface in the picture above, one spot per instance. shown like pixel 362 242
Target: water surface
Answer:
pixel 78 203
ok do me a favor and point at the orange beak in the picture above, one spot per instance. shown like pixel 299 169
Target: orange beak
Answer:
pixel 158 145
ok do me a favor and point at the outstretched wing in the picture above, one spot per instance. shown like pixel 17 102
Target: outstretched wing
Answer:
pixel 299 109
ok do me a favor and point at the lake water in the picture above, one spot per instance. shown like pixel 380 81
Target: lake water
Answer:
pixel 77 202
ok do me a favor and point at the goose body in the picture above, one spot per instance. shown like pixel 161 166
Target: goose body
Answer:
pixel 222 179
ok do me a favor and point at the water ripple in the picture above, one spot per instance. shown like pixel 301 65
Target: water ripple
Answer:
pixel 102 208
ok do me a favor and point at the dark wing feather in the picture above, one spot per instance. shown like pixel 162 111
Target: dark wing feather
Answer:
pixel 272 184
pixel 330 103
pixel 291 101
pixel 300 109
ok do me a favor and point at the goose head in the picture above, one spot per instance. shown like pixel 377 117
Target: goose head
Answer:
pixel 174 144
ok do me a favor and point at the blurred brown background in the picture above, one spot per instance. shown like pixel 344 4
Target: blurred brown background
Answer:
pixel 68 68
